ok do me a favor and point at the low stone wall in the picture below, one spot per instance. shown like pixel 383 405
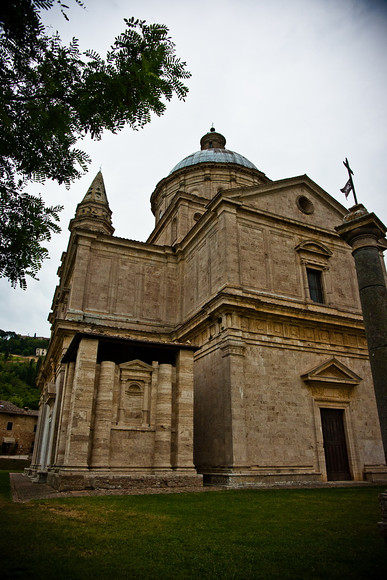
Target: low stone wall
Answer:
pixel 87 481
pixel 248 480
pixel 14 463
pixel 377 474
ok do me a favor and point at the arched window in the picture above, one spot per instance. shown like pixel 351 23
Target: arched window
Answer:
pixel 134 394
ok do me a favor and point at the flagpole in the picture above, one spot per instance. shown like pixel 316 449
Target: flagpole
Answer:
pixel 350 173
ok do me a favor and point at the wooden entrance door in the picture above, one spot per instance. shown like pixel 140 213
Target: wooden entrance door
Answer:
pixel 335 446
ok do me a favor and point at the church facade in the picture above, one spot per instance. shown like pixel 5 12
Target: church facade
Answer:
pixel 230 344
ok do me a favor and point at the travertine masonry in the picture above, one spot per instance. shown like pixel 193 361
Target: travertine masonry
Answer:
pixel 231 341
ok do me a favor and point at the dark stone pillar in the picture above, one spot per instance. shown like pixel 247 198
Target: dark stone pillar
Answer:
pixel 364 232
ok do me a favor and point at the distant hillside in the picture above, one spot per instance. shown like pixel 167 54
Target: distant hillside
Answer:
pixel 18 374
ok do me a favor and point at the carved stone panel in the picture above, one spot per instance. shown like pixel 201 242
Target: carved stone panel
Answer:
pixel 134 395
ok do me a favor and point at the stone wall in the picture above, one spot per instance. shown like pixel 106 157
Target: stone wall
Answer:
pixel 113 416
pixel 22 432
pixel 120 284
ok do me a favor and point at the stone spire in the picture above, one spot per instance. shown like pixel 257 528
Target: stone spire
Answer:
pixel 93 213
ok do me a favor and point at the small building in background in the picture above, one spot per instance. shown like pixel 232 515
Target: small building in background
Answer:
pixel 17 429
pixel 41 352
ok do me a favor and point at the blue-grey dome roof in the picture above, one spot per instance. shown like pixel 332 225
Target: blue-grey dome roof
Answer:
pixel 215 155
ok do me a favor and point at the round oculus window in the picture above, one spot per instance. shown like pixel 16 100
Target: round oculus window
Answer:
pixel 304 204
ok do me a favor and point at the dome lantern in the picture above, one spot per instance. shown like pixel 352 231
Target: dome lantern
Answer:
pixel 212 140
pixel 212 150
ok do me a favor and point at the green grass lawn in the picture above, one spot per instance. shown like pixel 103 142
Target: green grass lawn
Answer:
pixel 311 533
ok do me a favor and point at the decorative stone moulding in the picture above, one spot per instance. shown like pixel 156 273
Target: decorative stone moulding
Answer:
pixel 332 374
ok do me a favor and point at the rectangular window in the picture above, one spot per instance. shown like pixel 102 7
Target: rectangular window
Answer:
pixel 315 285
pixel 9 426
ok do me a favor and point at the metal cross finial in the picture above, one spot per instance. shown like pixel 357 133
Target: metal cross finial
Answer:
pixel 349 186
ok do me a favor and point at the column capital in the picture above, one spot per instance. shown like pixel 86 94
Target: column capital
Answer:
pixel 233 347
pixel 360 228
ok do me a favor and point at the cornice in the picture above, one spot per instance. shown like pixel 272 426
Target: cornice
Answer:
pixel 264 306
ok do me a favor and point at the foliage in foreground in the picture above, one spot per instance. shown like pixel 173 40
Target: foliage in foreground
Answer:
pixel 54 95
pixel 250 534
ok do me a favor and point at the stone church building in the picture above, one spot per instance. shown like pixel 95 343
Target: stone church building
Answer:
pixel 229 345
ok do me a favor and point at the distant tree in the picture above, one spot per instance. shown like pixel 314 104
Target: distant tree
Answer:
pixel 12 343
pixel 17 400
pixel 52 96
pixel 18 382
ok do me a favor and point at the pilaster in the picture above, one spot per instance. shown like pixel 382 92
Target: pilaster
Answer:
pixel 79 435
pixel 233 352
pixel 182 456
pixel 103 415
pixel 228 232
pixel 162 448
pixel 80 274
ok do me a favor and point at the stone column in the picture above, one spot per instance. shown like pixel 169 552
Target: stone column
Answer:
pixel 38 437
pixel 51 453
pixel 103 415
pixel 183 428
pixel 79 431
pixel 363 232
pixel 65 412
pixel 162 448
pixel 45 436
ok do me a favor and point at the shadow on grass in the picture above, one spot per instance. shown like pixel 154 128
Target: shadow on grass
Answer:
pixel 246 534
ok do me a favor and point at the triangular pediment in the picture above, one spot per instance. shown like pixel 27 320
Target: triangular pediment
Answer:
pixel 333 373
pixel 296 198
pixel 136 365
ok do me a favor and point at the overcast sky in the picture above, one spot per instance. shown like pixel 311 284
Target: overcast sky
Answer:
pixel 294 85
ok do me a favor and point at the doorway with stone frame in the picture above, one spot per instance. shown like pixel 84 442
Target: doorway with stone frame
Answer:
pixel 331 386
pixel 335 444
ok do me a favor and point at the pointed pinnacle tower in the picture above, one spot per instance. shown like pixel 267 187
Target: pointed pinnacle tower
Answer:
pixel 93 213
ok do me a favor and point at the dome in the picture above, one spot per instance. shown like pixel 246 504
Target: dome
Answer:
pixel 213 151
pixel 213 156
